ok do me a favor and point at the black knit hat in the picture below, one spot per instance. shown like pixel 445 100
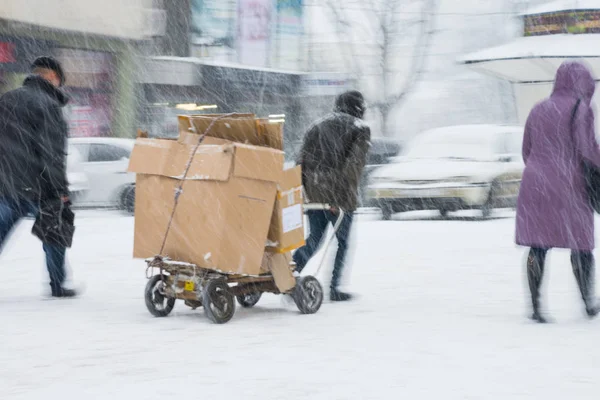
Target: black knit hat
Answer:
pixel 50 63
pixel 351 102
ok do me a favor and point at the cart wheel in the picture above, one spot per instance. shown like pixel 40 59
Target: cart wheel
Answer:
pixel 157 303
pixel 308 295
pixel 218 301
pixel 249 300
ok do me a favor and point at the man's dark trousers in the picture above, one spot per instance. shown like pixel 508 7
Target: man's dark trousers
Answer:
pixel 11 212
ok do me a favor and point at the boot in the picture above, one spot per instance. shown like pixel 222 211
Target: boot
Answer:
pixel 336 295
pixel 535 273
pixel 62 292
pixel 583 269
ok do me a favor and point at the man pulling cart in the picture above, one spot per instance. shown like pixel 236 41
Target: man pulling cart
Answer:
pixel 332 158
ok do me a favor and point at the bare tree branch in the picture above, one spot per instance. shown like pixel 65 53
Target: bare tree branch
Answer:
pixel 419 57
pixel 388 27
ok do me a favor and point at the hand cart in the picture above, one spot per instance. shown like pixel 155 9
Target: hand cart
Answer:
pixel 217 292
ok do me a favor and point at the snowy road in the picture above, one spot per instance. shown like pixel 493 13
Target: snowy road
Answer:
pixel 441 315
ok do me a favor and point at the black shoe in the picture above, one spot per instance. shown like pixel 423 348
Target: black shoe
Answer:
pixel 336 295
pixel 64 293
pixel 592 310
pixel 536 316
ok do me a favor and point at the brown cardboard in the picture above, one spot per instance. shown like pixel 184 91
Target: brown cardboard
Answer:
pixel 270 133
pixel 193 139
pixel 279 266
pixel 142 134
pixel 189 135
pixel 222 219
pixel 286 231
pixel 239 128
pixel 169 158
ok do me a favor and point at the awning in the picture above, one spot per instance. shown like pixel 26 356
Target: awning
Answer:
pixel 189 71
pixel 535 59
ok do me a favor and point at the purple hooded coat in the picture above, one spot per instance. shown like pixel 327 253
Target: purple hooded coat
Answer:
pixel 553 208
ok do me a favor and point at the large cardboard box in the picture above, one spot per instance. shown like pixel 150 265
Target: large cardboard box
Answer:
pixel 225 205
pixel 286 231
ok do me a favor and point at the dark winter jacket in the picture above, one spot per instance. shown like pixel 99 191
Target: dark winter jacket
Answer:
pixel 33 137
pixel 333 156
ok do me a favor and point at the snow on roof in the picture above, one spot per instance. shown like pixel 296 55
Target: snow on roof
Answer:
pixel 563 45
pixel 224 64
pixel 564 5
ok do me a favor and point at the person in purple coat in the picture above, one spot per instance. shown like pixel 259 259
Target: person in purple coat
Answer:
pixel 554 209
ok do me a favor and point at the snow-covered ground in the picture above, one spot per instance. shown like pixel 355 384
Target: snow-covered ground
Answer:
pixel 441 315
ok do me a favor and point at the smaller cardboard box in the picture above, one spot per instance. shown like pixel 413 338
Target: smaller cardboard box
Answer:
pixel 286 231
pixel 278 265
pixel 239 128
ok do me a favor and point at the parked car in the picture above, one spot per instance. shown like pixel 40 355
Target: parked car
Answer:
pixel 105 162
pixel 453 168
pixel 381 152
pixel 78 182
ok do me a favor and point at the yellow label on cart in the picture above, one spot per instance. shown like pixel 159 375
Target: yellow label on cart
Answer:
pixel 189 286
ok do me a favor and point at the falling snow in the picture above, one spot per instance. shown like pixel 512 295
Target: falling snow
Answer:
pixel 442 305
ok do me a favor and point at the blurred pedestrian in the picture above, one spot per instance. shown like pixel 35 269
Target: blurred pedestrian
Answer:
pixel 33 140
pixel 332 157
pixel 554 209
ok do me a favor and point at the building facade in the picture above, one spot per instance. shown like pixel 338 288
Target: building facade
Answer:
pixel 97 43
pixel 241 56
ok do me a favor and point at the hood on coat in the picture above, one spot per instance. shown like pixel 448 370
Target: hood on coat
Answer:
pixel 575 78
pixel 351 102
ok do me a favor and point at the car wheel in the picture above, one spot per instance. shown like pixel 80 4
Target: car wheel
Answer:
pixel 488 207
pixel 386 212
pixel 128 199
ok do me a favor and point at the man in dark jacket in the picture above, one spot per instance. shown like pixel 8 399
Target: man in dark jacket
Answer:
pixel 333 156
pixel 33 138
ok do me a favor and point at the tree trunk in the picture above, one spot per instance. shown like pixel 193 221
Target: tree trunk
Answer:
pixel 385 111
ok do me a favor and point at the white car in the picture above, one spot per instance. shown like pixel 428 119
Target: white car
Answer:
pixel 105 161
pixel 78 182
pixel 452 168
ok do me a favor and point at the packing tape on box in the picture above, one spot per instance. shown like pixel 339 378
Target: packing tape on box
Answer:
pixel 291 192
pixel 287 249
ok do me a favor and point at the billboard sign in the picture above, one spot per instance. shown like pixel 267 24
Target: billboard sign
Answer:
pixel 213 22
pixel 326 83
pixel 289 30
pixel 561 22
pixel 254 32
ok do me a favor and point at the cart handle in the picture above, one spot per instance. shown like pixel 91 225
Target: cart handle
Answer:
pixel 317 207
pixel 336 226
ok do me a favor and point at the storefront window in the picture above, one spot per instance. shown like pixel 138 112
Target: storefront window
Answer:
pixel 90 76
